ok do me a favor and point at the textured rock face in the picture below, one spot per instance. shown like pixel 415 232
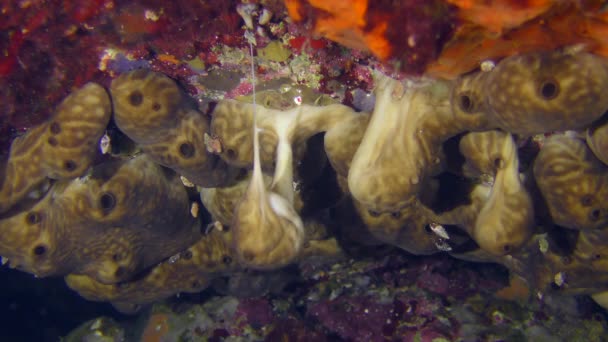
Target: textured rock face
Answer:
pixel 438 166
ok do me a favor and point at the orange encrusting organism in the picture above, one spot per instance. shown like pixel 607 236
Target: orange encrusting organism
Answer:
pixel 517 290
pixel 344 21
pixel 596 28
pixel 487 29
pixel 499 15
pixel 564 25
pixel 157 328
pixel 294 8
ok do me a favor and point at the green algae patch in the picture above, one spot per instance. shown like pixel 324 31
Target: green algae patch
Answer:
pixel 275 51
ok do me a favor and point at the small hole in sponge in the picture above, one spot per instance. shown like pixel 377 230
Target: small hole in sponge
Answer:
pixel 226 259
pixel 40 250
pixel 117 257
pixel 69 165
pixel 594 215
pixel 107 201
pixel 428 229
pixel 136 98
pixel 120 271
pixel 55 128
pixel 187 255
pixel 507 248
pixel 587 200
pixel 186 150
pixel 33 217
pixel 52 141
pixel 156 106
pixel 498 163
pixel 195 284
pixel 549 89
pixel 396 214
pixel 373 213
pixel 466 104
pixel 231 154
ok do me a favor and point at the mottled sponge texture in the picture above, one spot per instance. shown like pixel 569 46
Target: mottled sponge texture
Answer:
pixel 125 216
pixel 64 147
pixel 152 110
pixel 505 164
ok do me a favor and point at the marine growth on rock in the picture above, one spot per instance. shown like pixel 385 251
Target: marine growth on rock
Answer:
pixel 137 191
pixel 123 229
